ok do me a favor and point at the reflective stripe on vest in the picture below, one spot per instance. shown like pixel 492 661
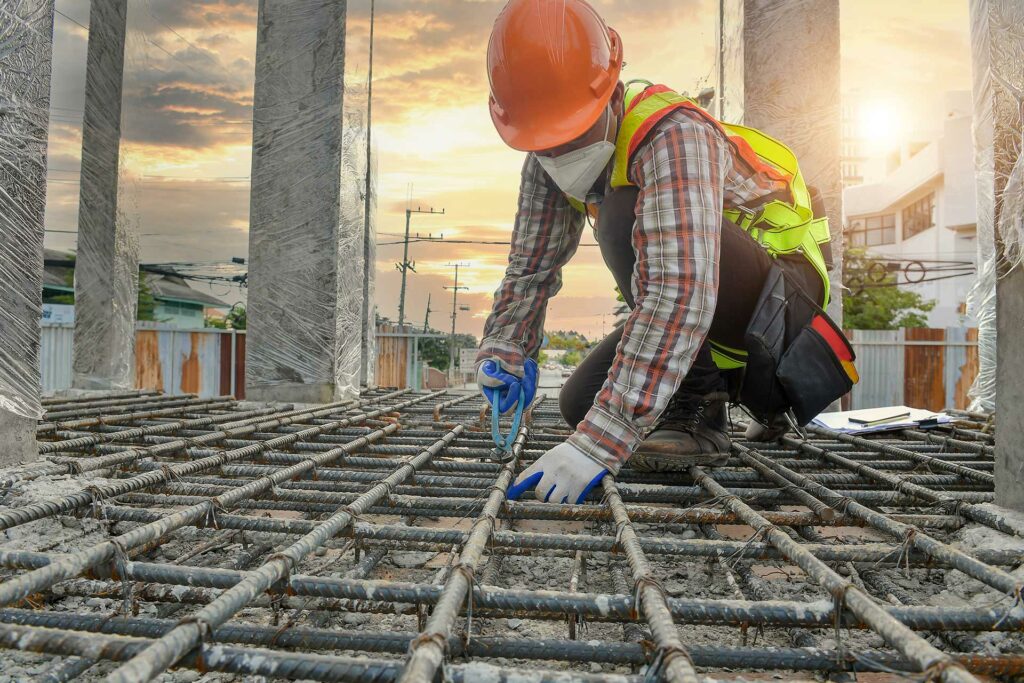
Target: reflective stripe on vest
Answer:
pixel 778 226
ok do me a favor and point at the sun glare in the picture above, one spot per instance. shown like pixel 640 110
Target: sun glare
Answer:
pixel 880 125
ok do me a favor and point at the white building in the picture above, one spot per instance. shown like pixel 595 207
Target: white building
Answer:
pixel 922 216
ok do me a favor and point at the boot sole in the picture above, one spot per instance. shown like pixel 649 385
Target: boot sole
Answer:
pixel 652 461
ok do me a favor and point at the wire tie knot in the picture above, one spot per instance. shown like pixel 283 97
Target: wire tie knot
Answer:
pixel 120 565
pixel 933 672
pixel 95 500
pixel 210 516
pixel 642 582
pixel 424 638
pixel 664 658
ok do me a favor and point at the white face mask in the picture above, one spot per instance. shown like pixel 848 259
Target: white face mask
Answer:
pixel 577 171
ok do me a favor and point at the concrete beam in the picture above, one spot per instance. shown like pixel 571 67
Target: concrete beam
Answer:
pixel 997 45
pixel 306 264
pixel 778 71
pixel 25 56
pixel 107 264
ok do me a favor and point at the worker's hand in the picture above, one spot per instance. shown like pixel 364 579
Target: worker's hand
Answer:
pixel 493 380
pixel 562 475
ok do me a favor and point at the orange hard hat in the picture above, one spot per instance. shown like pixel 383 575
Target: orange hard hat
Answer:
pixel 553 66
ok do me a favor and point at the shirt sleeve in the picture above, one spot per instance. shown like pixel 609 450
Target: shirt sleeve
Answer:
pixel 546 234
pixel 680 172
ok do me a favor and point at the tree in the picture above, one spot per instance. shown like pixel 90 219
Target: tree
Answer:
pixel 146 303
pixel 236 317
pixel 876 302
pixel 435 353
pixel 572 358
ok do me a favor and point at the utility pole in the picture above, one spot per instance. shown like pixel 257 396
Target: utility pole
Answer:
pixel 455 314
pixel 405 266
pixel 426 320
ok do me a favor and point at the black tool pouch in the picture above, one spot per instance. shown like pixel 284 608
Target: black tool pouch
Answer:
pixel 790 365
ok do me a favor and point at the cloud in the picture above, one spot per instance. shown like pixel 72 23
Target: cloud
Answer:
pixel 188 106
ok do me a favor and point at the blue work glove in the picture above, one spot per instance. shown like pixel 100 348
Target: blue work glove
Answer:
pixel 494 381
pixel 562 475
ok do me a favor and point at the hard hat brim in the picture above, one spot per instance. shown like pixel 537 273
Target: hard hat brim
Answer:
pixel 555 129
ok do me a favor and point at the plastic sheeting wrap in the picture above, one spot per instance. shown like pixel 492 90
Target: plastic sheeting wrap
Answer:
pixel 303 252
pixel 997 39
pixel 26 31
pixel 352 279
pixel 107 264
pixel 730 60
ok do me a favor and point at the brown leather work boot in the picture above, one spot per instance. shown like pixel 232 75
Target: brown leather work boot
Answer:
pixel 691 432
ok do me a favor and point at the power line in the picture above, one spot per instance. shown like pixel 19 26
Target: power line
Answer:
pixel 70 19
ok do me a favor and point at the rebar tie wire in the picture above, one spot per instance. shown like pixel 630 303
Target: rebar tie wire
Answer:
pixel 120 566
pixel 1018 599
pixel 470 576
pixel 96 497
pixel 662 659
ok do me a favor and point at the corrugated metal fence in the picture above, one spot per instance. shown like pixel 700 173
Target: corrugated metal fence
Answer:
pixel 923 368
pixel 167 359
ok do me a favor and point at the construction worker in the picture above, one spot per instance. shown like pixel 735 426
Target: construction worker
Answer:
pixel 669 187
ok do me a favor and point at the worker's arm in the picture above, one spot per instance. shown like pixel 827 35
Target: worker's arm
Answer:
pixel 680 172
pixel 546 234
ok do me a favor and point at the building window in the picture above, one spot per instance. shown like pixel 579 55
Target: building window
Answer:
pixel 919 216
pixel 873 231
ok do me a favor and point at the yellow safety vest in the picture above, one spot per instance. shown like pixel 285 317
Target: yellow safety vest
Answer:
pixel 779 226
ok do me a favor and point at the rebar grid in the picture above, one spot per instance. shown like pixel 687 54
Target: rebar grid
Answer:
pixel 258 540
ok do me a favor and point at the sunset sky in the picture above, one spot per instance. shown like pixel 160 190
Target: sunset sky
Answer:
pixel 188 130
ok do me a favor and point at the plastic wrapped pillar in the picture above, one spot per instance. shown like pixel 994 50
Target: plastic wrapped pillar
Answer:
pixel 26 40
pixel 107 263
pixel 306 260
pixel 778 71
pixel 997 44
pixel 349 370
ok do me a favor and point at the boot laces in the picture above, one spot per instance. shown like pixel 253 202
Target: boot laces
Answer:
pixel 681 414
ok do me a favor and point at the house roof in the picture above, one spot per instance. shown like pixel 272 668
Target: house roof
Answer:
pixel 173 287
pixel 162 285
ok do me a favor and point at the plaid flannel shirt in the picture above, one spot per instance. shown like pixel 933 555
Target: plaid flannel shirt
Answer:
pixel 687 171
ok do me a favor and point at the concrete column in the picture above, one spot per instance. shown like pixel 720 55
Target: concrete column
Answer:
pixel 355 202
pixel 25 54
pixel 997 43
pixel 302 257
pixel 107 264
pixel 778 71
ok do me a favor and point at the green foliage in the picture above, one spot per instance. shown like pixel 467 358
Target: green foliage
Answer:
pixel 542 358
pixel 572 359
pixel 435 352
pixel 877 303
pixel 67 299
pixel 568 341
pixel 236 317
pixel 146 304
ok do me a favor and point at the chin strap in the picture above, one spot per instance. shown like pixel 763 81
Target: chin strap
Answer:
pixel 503 445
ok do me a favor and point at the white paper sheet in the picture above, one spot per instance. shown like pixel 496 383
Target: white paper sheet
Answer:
pixel 840 422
